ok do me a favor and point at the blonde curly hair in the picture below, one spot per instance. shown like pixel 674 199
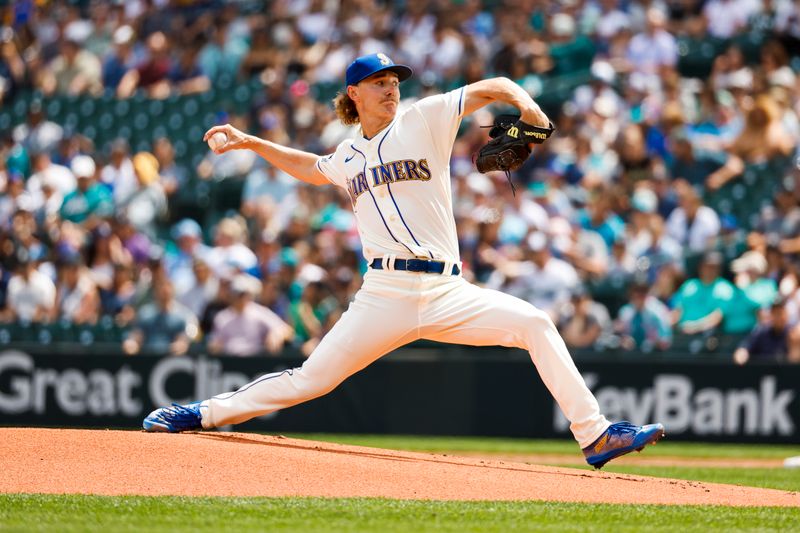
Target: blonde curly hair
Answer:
pixel 345 109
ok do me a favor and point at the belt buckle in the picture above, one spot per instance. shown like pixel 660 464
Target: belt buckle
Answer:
pixel 417 265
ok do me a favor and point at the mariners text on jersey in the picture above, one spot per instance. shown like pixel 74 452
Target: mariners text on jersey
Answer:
pixel 391 172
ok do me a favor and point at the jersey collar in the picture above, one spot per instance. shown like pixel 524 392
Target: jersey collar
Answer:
pixel 360 140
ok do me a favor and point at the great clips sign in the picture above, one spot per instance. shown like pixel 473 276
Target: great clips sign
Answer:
pixel 431 391
pixel 111 390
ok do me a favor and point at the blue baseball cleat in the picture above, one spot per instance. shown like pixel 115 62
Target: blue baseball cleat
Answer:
pixel 174 419
pixel 619 439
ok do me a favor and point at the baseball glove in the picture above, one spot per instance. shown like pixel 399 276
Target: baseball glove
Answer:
pixel 510 145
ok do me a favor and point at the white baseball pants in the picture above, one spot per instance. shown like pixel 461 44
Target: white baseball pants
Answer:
pixel 393 308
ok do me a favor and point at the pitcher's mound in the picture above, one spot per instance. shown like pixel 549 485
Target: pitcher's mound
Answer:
pixel 237 464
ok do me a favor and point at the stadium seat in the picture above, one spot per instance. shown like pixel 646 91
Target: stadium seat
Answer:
pixel 573 56
pixel 87 108
pixel 180 148
pixel 54 109
pixel 688 345
pixel 122 108
pixel 141 121
pixel 63 331
pixel 5 120
pixel 85 334
pixel 325 92
pixel 190 107
pixel 696 56
pixel 224 82
pixel 175 122
pixel 20 106
pixel 45 334
pixel 70 120
pixel 155 108
pixel 750 44
pixel 611 292
pixel 728 343
pixel 6 334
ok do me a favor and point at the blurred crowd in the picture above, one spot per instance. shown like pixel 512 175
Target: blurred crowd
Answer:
pixel 611 229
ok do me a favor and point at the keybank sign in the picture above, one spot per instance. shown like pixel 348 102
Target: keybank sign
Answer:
pixel 29 387
pixel 419 394
pixel 675 401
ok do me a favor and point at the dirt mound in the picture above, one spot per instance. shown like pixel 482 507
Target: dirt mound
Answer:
pixel 634 459
pixel 59 461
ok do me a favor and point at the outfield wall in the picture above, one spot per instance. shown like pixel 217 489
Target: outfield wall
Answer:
pixel 494 392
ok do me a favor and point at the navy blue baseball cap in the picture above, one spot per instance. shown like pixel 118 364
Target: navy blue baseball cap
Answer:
pixel 365 66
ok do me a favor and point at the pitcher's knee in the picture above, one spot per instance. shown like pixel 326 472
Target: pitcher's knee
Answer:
pixel 539 320
pixel 532 325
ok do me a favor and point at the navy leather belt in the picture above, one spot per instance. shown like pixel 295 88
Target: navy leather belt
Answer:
pixel 417 265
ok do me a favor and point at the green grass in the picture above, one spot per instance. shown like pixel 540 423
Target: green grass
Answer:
pixel 20 512
pixel 535 446
pixel 97 513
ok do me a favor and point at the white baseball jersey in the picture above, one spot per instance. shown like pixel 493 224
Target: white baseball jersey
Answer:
pixel 399 185
pixel 399 181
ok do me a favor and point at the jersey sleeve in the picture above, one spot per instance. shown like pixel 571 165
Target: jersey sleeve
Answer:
pixel 442 114
pixel 332 166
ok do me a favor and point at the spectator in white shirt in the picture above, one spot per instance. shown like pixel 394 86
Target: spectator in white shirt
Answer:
pixel 446 54
pixel 230 253
pixel 77 299
pixel 247 328
pixel 188 236
pixel 31 295
pixel 726 18
pixel 12 199
pixel 162 326
pixel 543 280
pixel 201 290
pixel 611 20
pixel 655 48
pixel 47 173
pixel 692 224
pixel 415 30
pixel 601 85
pixel 38 134
pixel 119 175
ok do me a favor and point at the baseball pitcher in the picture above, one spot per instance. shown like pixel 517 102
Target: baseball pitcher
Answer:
pixel 396 172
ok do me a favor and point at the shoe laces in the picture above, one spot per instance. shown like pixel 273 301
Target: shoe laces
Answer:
pixel 623 427
pixel 182 417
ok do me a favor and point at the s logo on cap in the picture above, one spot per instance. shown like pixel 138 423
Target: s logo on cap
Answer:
pixel 366 66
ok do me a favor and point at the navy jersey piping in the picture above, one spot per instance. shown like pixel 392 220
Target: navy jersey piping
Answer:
pixel 262 379
pixel 389 188
pixel 376 203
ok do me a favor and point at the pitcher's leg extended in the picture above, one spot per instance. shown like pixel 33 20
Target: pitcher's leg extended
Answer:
pixel 484 317
pixel 361 336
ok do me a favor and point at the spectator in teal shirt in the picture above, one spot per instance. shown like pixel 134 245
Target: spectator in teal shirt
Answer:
pixel 89 198
pixel 644 322
pixel 701 303
pixel 740 315
pixel 754 292
pixel 16 155
pixel 598 216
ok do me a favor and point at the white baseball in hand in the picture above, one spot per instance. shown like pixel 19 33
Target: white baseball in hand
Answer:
pixel 217 140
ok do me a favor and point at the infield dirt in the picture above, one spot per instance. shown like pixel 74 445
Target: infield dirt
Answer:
pixel 65 461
